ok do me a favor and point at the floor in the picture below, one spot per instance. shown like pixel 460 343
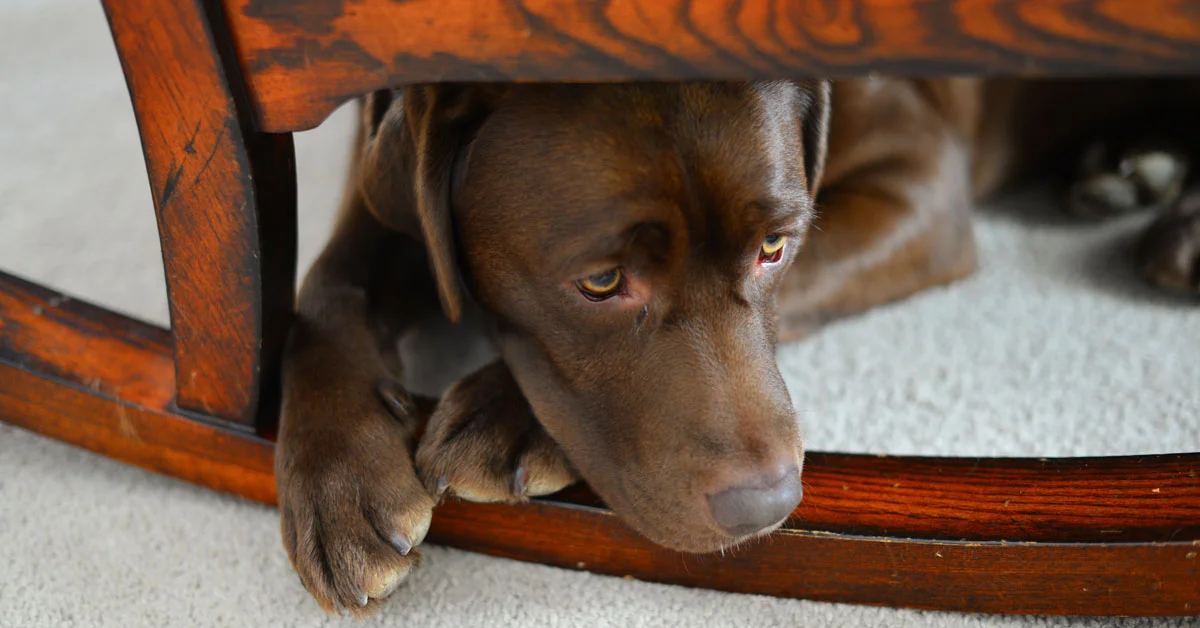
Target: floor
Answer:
pixel 1052 349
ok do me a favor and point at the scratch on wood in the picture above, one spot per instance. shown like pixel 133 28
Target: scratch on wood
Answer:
pixel 169 187
pixel 216 147
pixel 895 566
pixel 190 147
pixel 124 424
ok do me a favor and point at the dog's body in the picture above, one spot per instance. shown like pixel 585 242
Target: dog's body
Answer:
pixel 908 159
pixel 635 253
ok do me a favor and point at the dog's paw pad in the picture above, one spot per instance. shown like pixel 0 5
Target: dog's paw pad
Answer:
pixel 1169 253
pixel 1101 196
pixel 483 444
pixel 349 557
pixel 1111 182
pixel 478 465
pixel 353 512
pixel 1158 175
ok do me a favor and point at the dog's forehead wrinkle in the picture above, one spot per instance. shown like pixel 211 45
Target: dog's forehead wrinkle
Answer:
pixel 752 158
pixel 641 238
pixel 779 126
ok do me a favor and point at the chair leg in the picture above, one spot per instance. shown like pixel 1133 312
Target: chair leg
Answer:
pixel 225 199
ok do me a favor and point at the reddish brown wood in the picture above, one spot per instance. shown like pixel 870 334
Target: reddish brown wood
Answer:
pixel 1068 536
pixel 978 577
pixel 304 58
pixel 98 380
pixel 224 196
pixel 1056 500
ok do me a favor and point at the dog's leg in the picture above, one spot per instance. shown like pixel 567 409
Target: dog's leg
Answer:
pixel 484 444
pixel 893 215
pixel 1148 161
pixel 1169 253
pixel 352 506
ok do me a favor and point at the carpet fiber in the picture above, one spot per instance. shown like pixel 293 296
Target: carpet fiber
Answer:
pixel 1052 349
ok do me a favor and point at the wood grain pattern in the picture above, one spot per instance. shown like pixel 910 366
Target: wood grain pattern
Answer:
pixel 225 201
pixel 1044 500
pixel 98 380
pixel 967 576
pixel 1063 536
pixel 305 57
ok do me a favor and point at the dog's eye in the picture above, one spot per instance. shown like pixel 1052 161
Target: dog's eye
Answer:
pixel 603 285
pixel 772 249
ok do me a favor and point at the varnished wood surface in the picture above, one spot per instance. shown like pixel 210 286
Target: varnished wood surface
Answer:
pixel 104 382
pixel 225 201
pixel 304 58
pixel 977 577
pixel 1046 500
pixel 1074 536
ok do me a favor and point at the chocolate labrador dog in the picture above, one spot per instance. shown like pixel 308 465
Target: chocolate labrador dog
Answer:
pixel 621 261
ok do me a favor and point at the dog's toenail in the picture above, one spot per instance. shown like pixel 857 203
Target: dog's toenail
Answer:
pixel 518 483
pixel 401 543
pixel 362 598
pixel 397 400
pixel 442 484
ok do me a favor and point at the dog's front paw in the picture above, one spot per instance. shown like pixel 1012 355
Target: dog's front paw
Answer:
pixel 353 509
pixel 1113 179
pixel 1169 254
pixel 483 444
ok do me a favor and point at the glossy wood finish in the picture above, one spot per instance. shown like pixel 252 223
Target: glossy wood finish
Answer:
pixel 304 58
pixel 225 199
pixel 1070 536
pixel 804 561
pixel 92 378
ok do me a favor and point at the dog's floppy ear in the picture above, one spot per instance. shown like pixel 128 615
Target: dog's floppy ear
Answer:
pixel 815 132
pixel 412 142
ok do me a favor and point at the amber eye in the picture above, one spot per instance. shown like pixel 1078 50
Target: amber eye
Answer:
pixel 772 249
pixel 603 285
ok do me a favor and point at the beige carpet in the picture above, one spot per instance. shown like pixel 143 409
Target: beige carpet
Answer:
pixel 1052 349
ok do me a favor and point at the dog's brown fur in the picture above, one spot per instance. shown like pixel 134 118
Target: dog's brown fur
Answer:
pixel 502 197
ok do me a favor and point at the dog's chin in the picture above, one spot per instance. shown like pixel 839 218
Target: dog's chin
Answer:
pixel 709 543
pixel 679 525
pixel 684 524
pixel 723 543
pixel 703 539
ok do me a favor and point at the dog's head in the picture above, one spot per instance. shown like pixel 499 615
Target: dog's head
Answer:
pixel 628 241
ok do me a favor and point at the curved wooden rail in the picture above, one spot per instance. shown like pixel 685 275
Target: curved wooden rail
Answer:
pixel 1099 536
pixel 302 59
pixel 225 199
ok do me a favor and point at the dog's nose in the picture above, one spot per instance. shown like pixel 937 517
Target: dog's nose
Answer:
pixel 759 503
